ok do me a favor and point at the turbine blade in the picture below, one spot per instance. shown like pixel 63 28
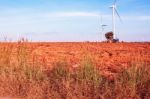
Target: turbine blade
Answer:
pixel 118 15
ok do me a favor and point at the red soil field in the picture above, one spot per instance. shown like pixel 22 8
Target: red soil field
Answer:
pixel 18 80
pixel 109 57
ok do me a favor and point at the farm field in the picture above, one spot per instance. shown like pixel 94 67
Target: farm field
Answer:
pixel 109 57
pixel 26 68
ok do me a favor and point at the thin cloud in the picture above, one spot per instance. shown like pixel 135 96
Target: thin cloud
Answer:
pixel 137 18
pixel 129 18
pixel 94 14
pixel 73 14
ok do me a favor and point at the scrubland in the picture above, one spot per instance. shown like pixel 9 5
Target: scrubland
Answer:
pixel 74 70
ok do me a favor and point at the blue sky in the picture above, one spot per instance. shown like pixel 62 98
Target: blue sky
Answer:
pixel 72 20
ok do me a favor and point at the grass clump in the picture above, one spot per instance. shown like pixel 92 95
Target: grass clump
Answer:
pixel 83 82
pixel 88 72
pixel 135 81
pixel 17 76
pixel 60 70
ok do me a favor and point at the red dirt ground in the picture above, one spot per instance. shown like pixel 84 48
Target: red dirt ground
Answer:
pixel 110 57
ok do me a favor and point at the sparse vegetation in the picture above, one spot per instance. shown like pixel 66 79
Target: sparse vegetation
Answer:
pixel 24 79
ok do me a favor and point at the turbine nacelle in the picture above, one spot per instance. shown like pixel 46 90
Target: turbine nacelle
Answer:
pixel 113 6
pixel 103 25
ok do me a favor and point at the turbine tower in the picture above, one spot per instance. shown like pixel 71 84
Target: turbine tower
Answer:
pixel 114 11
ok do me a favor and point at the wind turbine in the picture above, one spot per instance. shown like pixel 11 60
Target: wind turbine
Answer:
pixel 114 11
pixel 102 27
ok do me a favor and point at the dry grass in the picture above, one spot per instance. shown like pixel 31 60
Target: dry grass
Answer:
pixel 22 78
